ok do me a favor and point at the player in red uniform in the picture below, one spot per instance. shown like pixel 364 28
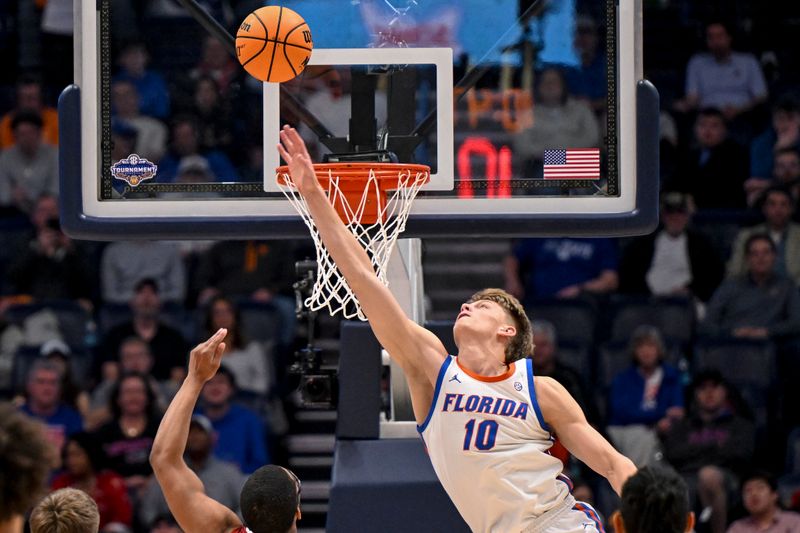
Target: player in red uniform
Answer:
pixel 270 499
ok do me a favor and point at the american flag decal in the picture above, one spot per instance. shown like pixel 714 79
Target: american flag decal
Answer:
pixel 572 164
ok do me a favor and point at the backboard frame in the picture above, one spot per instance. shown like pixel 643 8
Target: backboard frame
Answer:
pixel 84 216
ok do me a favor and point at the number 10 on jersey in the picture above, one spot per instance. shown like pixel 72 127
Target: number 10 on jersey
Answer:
pixel 484 436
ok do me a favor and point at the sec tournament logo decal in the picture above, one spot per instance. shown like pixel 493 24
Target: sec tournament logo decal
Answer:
pixel 133 170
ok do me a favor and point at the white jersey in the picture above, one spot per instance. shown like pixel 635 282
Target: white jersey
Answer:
pixel 488 444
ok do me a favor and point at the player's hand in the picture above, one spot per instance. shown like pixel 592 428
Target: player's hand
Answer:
pixel 293 150
pixel 205 358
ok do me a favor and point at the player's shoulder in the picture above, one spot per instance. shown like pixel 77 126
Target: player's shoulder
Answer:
pixel 544 381
pixel 547 388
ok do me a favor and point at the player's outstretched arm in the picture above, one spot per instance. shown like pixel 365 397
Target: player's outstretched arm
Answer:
pixel 418 351
pixel 564 416
pixel 183 490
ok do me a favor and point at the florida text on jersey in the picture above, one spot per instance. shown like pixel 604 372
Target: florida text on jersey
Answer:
pixel 488 443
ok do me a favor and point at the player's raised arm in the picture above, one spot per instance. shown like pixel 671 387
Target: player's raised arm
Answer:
pixel 418 351
pixel 564 416
pixel 183 490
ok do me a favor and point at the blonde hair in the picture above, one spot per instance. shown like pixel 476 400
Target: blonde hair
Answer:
pixel 521 345
pixel 65 511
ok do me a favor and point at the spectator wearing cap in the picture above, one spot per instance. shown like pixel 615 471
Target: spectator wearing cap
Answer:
pixel 151 133
pixel 729 81
pixel 186 142
pixel 675 260
pixel 58 353
pixel 29 98
pixel 644 399
pixel 194 169
pixel 714 169
pixel 761 500
pixel 43 401
pixel 777 207
pixel 710 447
pixel 240 434
pixel 30 167
pixel 83 460
pixel 168 347
pixel 125 264
pixel 222 480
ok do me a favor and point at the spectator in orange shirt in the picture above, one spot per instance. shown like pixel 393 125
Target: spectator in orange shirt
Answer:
pixel 29 98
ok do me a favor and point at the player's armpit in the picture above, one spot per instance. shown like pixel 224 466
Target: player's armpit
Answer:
pixel 194 511
pixel 565 418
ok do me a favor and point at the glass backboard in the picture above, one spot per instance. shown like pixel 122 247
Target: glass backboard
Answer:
pixel 532 115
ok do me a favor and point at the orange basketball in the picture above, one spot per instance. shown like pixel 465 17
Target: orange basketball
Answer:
pixel 273 44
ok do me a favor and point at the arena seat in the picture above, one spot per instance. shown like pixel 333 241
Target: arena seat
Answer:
pixel 574 320
pixel 673 316
pixel 73 319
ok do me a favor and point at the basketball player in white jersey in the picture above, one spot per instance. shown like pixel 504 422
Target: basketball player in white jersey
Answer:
pixel 270 498
pixel 486 420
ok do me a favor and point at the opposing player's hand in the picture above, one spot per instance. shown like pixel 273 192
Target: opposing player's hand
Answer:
pixel 205 358
pixel 293 150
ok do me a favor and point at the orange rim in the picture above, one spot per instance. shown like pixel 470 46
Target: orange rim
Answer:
pixel 360 171
pixel 355 176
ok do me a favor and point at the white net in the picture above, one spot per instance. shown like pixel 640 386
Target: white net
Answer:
pixel 378 239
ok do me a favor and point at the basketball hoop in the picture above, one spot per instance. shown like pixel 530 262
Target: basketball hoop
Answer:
pixel 373 200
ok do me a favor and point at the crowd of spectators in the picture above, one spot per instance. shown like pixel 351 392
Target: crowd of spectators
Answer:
pixel 727 250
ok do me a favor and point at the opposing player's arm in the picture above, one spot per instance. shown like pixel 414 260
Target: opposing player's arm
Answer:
pixel 565 418
pixel 418 351
pixel 183 490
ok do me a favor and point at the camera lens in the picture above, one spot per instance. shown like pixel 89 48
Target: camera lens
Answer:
pixel 317 388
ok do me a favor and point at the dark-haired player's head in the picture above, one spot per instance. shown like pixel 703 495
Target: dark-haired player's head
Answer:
pixel 516 325
pixel 270 500
pixel 654 500
pixel 25 461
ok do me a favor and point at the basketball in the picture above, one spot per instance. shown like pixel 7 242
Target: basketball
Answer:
pixel 273 44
